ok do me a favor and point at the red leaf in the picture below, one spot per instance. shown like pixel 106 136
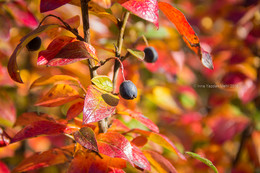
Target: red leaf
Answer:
pixel 75 110
pixel 73 52
pixel 95 108
pixel 157 159
pixel 139 141
pixel 31 117
pixel 115 170
pixel 186 31
pixel 48 158
pixel 115 145
pixel 4 138
pixel 22 14
pixel 48 5
pixel 230 126
pixel 4 168
pixel 41 128
pixel 146 9
pixel 139 117
pixel 159 139
pixel 53 49
pixel 139 159
pixel 86 137
pixel 58 95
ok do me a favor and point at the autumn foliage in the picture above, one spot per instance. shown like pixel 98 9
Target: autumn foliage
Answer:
pixel 197 104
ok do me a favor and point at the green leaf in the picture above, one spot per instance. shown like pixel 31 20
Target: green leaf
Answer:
pixel 137 53
pixel 103 82
pixel 202 159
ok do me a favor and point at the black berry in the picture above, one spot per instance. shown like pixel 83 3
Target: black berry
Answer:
pixel 34 44
pixel 151 54
pixel 128 90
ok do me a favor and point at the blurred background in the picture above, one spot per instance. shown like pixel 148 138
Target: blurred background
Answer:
pixel 215 113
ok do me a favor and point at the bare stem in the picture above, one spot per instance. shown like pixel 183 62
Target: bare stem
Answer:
pixel 85 20
pixel 104 124
pixel 119 48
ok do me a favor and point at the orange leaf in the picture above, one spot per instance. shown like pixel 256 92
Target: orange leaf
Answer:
pixel 31 117
pixel 159 139
pixel 58 95
pixel 51 157
pixel 75 110
pixel 85 161
pixel 146 9
pixel 12 64
pixel 186 31
pixel 159 163
pixel 103 3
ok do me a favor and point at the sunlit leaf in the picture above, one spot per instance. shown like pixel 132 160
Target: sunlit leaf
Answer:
pixel 146 9
pixel 4 138
pixel 103 3
pixel 115 170
pixel 118 126
pixel 73 52
pixel 47 80
pixel 95 108
pixel 159 163
pixel 103 82
pixel 202 159
pixel 85 161
pixel 12 64
pixel 48 5
pixel 86 137
pixel 136 53
pixel 159 139
pixel 139 159
pixel 75 110
pixel 58 95
pixel 51 157
pixel 53 49
pixel 101 12
pixel 186 31
pixel 19 10
pixel 115 145
pixel 139 117
pixel 42 128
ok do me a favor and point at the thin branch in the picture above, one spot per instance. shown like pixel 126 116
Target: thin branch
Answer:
pixel 104 123
pixel 244 136
pixel 85 20
pixel 119 48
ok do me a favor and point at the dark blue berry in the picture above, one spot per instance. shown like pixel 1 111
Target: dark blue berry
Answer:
pixel 34 44
pixel 128 90
pixel 151 54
